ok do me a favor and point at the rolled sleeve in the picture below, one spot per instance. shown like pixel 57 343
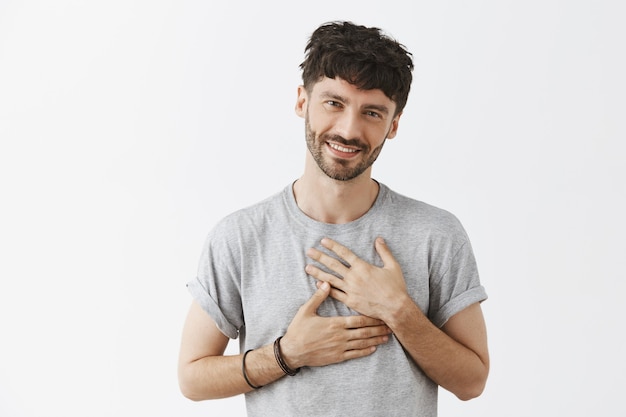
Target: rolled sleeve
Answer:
pixel 458 304
pixel 208 304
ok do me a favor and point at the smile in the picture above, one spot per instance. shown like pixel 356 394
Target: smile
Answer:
pixel 341 148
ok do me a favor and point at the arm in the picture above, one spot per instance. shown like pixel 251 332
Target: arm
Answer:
pixel 311 340
pixel 203 371
pixel 455 357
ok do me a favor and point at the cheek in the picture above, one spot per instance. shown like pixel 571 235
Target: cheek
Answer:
pixel 319 122
pixel 378 137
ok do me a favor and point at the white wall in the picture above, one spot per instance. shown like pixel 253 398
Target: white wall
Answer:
pixel 128 128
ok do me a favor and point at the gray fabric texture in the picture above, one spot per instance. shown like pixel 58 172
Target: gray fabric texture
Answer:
pixel 251 281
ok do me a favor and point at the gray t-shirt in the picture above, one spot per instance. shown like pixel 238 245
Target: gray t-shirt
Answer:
pixel 251 281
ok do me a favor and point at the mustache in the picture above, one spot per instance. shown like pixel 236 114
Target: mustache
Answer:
pixel 340 139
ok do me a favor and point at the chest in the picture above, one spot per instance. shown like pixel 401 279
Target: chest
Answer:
pixel 274 283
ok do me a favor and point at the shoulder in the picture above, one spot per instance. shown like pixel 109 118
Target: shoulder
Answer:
pixel 255 217
pixel 420 214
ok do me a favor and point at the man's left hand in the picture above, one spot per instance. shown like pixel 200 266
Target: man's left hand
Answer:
pixel 371 290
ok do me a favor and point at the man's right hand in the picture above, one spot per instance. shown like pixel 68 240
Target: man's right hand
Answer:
pixel 313 340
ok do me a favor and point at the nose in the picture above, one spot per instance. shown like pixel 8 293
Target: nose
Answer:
pixel 349 125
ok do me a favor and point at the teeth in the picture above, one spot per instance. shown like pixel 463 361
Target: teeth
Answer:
pixel 341 148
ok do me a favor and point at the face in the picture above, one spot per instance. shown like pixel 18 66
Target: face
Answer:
pixel 346 128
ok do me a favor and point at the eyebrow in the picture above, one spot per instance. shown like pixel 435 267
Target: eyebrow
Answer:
pixel 334 96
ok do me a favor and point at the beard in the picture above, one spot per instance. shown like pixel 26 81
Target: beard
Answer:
pixel 335 168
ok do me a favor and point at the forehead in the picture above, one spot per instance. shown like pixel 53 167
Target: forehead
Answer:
pixel 337 87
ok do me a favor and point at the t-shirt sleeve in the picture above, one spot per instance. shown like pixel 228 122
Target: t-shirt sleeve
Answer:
pixel 457 286
pixel 216 287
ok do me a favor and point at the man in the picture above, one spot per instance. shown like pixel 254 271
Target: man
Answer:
pixel 348 298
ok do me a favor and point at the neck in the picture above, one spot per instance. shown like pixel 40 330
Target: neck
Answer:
pixel 332 201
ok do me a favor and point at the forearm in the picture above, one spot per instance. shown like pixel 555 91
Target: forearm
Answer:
pixel 215 377
pixel 446 361
pixel 311 340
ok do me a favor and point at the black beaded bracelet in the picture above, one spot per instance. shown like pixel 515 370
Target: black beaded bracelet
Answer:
pixel 281 362
pixel 243 371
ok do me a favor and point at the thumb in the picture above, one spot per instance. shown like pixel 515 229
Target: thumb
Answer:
pixel 384 252
pixel 318 297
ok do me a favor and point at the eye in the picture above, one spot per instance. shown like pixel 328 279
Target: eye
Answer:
pixel 333 103
pixel 373 114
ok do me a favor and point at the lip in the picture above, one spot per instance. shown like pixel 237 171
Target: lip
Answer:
pixel 342 151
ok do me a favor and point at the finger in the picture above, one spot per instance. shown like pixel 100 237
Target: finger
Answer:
pixel 343 252
pixel 363 333
pixel 363 343
pixel 338 295
pixel 320 275
pixel 384 252
pixel 356 322
pixel 317 298
pixel 358 353
pixel 331 263
pixel 364 346
pixel 335 293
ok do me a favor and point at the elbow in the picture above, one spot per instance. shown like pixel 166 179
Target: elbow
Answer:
pixel 474 389
pixel 187 386
pixel 470 393
pixel 189 393
pixel 187 390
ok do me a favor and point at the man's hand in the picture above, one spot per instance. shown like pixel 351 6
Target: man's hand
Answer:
pixel 313 340
pixel 366 288
pixel 460 361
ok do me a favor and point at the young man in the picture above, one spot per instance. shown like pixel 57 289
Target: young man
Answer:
pixel 347 298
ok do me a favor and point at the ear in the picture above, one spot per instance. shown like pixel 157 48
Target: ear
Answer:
pixel 393 130
pixel 301 102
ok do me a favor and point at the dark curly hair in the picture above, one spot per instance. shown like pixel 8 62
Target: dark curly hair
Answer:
pixel 365 57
